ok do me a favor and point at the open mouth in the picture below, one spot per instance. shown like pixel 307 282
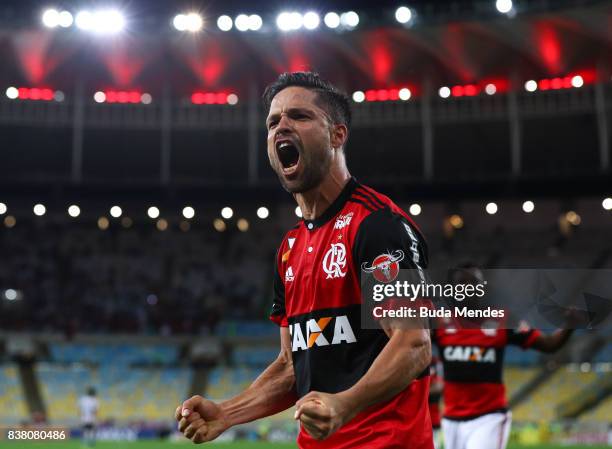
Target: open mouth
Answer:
pixel 288 155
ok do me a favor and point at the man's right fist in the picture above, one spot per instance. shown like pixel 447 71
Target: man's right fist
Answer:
pixel 200 420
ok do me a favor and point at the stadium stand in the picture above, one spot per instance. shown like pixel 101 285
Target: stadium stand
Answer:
pixel 114 354
pixel 598 414
pixel 126 376
pixel 542 403
pixel 12 403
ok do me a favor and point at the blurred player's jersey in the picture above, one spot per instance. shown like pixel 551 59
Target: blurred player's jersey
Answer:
pixel 473 364
pixel 88 407
pixel 318 296
pixel 435 373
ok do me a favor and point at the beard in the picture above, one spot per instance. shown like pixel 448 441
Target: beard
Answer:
pixel 312 174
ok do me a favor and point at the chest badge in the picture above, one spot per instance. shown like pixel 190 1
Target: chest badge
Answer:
pixel 343 221
pixel 334 262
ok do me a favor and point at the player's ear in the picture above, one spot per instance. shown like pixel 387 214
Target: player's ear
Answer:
pixel 339 135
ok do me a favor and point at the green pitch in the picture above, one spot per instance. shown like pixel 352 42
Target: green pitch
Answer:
pixel 76 444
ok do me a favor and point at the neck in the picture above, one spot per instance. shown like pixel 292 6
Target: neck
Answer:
pixel 313 203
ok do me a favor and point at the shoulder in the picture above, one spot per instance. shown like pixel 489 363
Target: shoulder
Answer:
pixel 384 216
pixel 382 210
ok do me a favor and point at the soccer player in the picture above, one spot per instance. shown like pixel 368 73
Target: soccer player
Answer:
pixel 88 408
pixel 352 387
pixel 476 411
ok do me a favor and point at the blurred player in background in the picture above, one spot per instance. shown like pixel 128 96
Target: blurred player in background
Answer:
pixel 88 409
pixel 476 411
pixel 436 387
pixel 355 388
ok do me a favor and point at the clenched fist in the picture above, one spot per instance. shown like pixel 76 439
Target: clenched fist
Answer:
pixel 200 420
pixel 321 414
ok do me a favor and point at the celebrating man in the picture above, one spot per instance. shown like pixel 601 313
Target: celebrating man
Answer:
pixel 352 387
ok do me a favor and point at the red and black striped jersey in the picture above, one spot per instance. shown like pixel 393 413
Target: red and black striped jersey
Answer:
pixel 318 296
pixel 473 364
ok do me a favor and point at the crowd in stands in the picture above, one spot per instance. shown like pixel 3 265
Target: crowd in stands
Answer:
pixel 73 277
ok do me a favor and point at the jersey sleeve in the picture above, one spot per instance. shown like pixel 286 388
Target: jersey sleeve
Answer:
pixel 523 336
pixel 386 232
pixel 278 313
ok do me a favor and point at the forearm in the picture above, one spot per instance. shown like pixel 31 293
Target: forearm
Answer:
pixel 272 392
pixel 396 366
pixel 554 341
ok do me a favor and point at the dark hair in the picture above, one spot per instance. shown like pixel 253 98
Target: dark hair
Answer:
pixel 335 102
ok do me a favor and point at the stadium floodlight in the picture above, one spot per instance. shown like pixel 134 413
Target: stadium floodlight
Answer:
pixel 349 19
pixel 573 218
pixel 188 212
pixel 504 6
pixel 146 98
pixel 263 212
pixel 115 211
pixel 296 21
pixel 65 19
pixel 180 22
pixel 528 207
pixel 606 203
pixel 12 93
pixel 232 99
pixel 456 221
pixel 491 208
pixel 227 213
pixel 311 20
pixel 10 294
pixel 531 86
pixel 444 92
pixel 3 209
pixel 84 20
pixel 403 14
pixel 358 96
pixel 51 18
pixel 162 224
pixel 404 94
pixel 194 22
pixel 107 21
pixel 153 212
pixel 255 22
pixel 577 81
pixel 59 96
pixel 415 209
pixel 99 97
pixel 242 22
pixel 219 225
pixel 10 221
pixel 282 21
pixel 103 223
pixel 332 20
pixel 74 211
pixel 188 22
pixel 490 89
pixel 225 23
pixel 298 212
pixel 243 225
pixel 39 210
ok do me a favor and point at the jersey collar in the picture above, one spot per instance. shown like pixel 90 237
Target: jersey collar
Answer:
pixel 334 207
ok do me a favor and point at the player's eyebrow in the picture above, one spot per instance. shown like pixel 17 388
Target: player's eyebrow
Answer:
pixel 297 110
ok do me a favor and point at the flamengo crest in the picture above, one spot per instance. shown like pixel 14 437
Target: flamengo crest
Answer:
pixel 334 261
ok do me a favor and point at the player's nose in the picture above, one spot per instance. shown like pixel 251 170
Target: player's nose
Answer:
pixel 285 125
